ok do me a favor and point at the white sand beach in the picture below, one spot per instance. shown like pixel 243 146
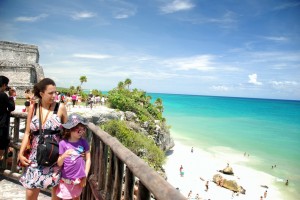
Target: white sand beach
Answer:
pixel 204 165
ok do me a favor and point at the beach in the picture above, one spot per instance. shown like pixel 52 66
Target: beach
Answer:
pixel 200 166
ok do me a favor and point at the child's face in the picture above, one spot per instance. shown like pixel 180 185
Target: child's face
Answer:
pixel 78 131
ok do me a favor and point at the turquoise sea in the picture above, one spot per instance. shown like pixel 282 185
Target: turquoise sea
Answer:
pixel 268 130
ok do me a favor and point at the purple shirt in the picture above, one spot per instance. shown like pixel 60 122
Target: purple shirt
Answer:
pixel 74 165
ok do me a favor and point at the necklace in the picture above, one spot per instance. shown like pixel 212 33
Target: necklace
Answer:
pixel 41 110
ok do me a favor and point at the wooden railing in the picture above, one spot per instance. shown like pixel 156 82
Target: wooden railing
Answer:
pixel 114 169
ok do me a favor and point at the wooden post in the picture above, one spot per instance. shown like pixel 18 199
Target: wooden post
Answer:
pixel 118 179
pixel 129 185
pixel 143 193
pixel 110 175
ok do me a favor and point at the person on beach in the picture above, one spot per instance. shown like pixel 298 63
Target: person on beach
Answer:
pixel 7 105
pixel 190 194
pixel 74 169
pixel 181 171
pixel 192 150
pixel 206 186
pixel 265 194
pixel 287 182
pixel 52 115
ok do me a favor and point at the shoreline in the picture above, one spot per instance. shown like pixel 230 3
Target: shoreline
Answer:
pixel 204 165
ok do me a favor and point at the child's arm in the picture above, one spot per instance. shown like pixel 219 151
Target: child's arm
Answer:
pixel 61 158
pixel 87 168
pixel 87 162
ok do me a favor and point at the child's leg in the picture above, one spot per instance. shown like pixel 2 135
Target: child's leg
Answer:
pixel 32 194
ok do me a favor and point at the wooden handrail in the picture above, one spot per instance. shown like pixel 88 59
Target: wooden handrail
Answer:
pixel 113 169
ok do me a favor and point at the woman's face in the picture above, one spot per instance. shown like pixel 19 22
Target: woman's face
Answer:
pixel 49 94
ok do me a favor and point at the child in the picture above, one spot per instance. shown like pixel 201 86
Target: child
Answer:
pixel 74 170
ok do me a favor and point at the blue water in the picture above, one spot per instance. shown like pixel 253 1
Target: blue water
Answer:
pixel 268 130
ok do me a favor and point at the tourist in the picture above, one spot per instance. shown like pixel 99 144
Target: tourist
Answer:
pixel 287 182
pixel 12 93
pixel 7 105
pixel 192 150
pixel 52 114
pixel 206 186
pixel 79 100
pixel 265 194
pixel 74 169
pixel 74 99
pixel 190 194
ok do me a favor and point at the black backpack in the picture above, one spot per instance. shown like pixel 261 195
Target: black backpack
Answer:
pixel 47 149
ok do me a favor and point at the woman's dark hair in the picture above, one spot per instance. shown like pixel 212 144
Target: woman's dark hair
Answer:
pixel 41 86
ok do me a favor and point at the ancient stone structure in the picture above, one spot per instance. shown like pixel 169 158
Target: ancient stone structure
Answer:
pixel 20 63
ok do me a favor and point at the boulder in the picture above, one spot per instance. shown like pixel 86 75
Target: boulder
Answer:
pixel 229 184
pixel 227 170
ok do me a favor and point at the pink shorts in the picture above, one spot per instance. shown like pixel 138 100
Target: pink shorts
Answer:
pixel 68 191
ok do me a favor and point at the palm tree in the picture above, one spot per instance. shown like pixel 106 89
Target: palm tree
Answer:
pixel 82 80
pixel 127 82
pixel 120 85
pixel 78 88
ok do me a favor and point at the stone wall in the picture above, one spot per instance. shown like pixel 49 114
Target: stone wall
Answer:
pixel 20 63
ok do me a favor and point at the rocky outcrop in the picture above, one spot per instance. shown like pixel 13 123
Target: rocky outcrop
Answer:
pixel 229 184
pixel 227 170
pixel 161 137
pixel 20 63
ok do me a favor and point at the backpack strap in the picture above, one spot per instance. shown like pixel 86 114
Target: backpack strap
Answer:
pixel 35 106
pixel 56 108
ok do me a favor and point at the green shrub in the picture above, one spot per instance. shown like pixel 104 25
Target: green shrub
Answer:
pixel 139 144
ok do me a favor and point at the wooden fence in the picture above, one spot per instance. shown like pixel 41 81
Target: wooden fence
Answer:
pixel 114 169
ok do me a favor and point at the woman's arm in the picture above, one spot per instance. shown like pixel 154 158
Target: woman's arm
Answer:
pixel 62 112
pixel 21 156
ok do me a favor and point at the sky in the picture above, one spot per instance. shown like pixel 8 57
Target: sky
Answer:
pixel 248 48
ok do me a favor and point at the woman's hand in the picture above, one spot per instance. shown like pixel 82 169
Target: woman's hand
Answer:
pixel 23 160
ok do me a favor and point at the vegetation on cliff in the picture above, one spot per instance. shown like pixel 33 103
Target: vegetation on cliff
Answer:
pixel 139 144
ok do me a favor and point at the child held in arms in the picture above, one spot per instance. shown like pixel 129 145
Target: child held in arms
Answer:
pixel 74 169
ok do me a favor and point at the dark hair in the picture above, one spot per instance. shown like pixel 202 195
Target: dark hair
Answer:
pixel 41 86
pixel 66 134
pixel 4 80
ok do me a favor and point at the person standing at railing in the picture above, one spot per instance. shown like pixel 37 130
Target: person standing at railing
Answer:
pixel 52 115
pixel 7 105
pixel 74 169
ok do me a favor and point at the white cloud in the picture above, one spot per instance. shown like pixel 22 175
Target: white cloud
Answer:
pixel 124 13
pixel 200 63
pixel 30 19
pixel 253 79
pixel 287 5
pixel 82 15
pixel 283 84
pixel 177 5
pixel 93 56
pixel 221 88
pixel 276 39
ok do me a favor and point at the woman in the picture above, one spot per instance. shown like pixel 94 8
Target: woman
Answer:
pixel 53 115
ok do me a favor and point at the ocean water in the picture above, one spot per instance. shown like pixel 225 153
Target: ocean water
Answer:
pixel 267 130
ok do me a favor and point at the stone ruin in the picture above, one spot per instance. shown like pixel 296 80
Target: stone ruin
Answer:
pixel 20 63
